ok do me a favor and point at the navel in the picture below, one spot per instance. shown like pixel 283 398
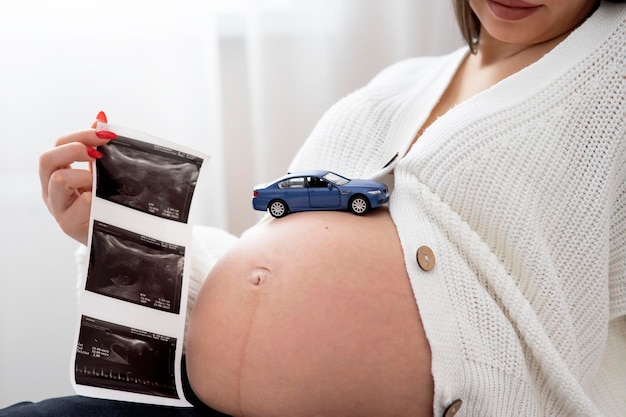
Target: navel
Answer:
pixel 258 275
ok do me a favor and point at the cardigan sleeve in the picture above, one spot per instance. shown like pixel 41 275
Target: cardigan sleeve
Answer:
pixel 617 254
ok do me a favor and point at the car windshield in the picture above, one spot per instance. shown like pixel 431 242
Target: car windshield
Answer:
pixel 336 179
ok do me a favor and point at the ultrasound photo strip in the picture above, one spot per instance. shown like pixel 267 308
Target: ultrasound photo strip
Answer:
pixel 135 268
pixel 138 269
pixel 122 358
pixel 147 177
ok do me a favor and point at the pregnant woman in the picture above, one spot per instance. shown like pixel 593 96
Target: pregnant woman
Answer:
pixel 495 282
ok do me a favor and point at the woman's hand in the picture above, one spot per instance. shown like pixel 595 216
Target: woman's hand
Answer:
pixel 66 190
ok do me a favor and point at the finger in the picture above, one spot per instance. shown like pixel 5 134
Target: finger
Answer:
pixel 65 186
pixel 101 117
pixel 75 220
pixel 88 137
pixel 58 158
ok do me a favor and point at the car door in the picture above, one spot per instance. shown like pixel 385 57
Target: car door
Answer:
pixel 323 194
pixel 295 193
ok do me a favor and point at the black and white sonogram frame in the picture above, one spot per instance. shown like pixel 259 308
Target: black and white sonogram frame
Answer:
pixel 135 268
pixel 122 358
pixel 148 177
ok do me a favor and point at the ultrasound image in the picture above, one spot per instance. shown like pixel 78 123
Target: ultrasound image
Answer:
pixel 146 177
pixel 122 358
pixel 135 268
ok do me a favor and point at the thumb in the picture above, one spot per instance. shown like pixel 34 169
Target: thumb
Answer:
pixel 101 117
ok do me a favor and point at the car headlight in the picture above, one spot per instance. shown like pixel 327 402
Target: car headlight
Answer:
pixel 374 192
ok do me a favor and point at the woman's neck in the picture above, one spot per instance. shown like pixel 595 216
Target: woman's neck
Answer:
pixel 508 57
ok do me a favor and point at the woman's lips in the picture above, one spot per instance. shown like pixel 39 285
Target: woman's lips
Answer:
pixel 512 10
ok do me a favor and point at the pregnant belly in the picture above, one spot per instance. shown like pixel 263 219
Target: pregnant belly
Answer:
pixel 311 315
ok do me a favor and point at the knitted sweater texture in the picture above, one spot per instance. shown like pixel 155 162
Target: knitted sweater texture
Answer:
pixel 520 192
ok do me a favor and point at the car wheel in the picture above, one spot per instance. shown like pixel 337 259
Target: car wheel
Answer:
pixel 278 208
pixel 359 205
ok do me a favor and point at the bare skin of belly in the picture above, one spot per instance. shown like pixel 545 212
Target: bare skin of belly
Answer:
pixel 311 315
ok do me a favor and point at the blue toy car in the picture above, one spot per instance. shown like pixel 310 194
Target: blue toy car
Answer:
pixel 318 190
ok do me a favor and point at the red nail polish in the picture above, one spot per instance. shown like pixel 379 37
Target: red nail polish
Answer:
pixel 101 117
pixel 105 134
pixel 94 153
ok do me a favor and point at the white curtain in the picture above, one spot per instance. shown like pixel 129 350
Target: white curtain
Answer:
pixel 244 81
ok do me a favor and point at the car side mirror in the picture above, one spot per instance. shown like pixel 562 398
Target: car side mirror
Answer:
pixel 330 186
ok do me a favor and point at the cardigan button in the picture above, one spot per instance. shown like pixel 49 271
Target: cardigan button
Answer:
pixel 425 258
pixel 453 408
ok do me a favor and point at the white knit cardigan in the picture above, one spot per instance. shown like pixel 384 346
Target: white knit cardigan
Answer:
pixel 520 192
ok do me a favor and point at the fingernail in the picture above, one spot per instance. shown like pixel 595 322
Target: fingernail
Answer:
pixel 101 117
pixel 94 153
pixel 105 134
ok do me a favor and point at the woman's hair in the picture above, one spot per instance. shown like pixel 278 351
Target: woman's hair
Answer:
pixel 470 25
